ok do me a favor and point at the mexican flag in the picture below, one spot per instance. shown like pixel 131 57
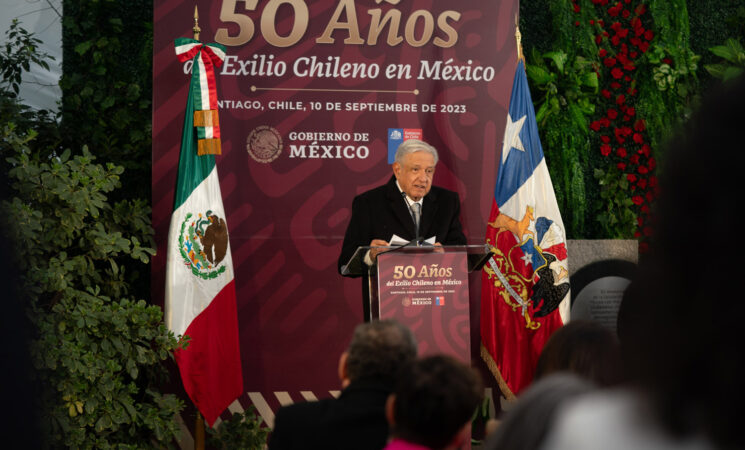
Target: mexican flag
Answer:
pixel 200 290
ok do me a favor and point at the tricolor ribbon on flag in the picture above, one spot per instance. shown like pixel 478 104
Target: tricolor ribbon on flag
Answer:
pixel 525 285
pixel 206 58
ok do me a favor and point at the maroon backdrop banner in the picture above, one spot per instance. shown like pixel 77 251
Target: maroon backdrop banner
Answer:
pixel 308 93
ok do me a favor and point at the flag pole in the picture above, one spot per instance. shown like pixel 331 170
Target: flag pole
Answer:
pixel 518 40
pixel 199 423
pixel 196 28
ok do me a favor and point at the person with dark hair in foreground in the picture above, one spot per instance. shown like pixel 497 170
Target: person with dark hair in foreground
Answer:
pixel 356 420
pixel 584 348
pixel 432 405
pixel 525 425
pixel 680 330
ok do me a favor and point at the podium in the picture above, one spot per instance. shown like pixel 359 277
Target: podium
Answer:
pixel 426 289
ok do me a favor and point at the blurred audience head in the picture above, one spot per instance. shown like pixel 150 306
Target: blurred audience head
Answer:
pixel 378 350
pixel 433 403
pixel 682 326
pixel 585 348
pixel 526 424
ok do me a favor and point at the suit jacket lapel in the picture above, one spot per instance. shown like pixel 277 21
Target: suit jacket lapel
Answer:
pixel 400 209
pixel 429 209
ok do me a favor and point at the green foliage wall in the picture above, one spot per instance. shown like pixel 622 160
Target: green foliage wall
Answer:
pixel 665 82
pixel 107 87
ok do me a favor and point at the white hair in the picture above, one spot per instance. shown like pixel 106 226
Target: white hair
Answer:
pixel 414 145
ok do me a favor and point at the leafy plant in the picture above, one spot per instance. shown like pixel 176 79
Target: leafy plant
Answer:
pixel 615 214
pixel 241 431
pixel 106 85
pixel 98 354
pixel 733 65
pixel 20 50
pixel 569 85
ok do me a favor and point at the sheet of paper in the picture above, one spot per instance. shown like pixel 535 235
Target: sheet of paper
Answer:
pixel 398 240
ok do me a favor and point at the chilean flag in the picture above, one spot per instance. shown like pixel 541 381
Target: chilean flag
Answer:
pixel 200 290
pixel 525 284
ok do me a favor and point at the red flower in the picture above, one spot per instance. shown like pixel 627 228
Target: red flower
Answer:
pixel 621 152
pixel 640 125
pixel 640 221
pixel 609 62
pixel 615 84
pixel 645 209
pixel 629 67
pixel 637 234
pixel 633 55
pixel 634 159
pixel 595 126
pixel 601 22
pixel 643 170
pixel 630 111
pixel 576 23
pixel 643 183
pixel 621 166
pixel 648 35
pixel 627 79
pixel 605 93
pixel 638 138
pixel 622 33
pixel 619 136
pixel 605 149
pixel 598 39
pixel 612 114
pixel 667 60
pixel 631 177
pixel 592 22
pixel 602 52
pixel 653 181
pixel 576 8
pixel 625 13
pixel 605 139
pixel 652 163
pixel 615 40
pixel 621 99
pixel 637 199
pixel 641 9
pixel 631 91
pixel 635 40
pixel 644 46
pixel 614 10
pixel 616 73
pixel 615 26
pixel 645 150
pixel 636 22
pixel 626 118
pixel 604 122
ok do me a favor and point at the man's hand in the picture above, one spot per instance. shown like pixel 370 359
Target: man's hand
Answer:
pixel 376 243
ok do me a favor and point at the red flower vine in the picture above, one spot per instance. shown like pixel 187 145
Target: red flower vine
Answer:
pixel 623 38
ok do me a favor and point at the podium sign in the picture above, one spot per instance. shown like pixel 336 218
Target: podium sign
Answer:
pixel 427 290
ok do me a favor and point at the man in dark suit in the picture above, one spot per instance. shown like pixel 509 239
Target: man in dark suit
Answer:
pixel 395 208
pixel 368 371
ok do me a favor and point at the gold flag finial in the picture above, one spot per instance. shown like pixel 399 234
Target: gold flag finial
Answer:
pixel 196 28
pixel 518 40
